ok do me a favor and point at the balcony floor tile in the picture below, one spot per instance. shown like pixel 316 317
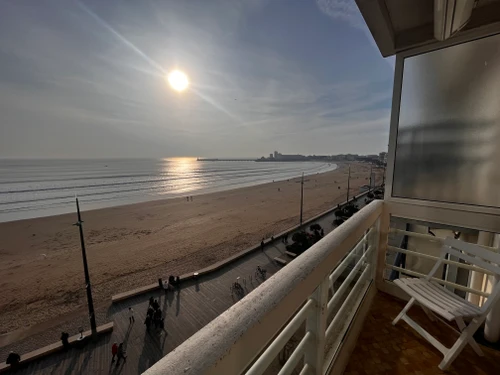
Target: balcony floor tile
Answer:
pixel 386 349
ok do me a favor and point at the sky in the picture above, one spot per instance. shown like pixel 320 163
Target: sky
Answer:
pixel 86 79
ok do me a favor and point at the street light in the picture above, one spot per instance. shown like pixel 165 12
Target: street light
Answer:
pixel 90 303
pixel 372 180
pixel 301 197
pixel 348 183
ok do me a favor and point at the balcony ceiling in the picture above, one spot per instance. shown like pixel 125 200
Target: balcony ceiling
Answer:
pixel 398 25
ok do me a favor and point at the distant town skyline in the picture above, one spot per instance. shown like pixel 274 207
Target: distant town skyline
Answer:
pixel 88 79
pixel 380 158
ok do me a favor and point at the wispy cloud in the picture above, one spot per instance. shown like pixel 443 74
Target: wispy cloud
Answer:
pixel 346 10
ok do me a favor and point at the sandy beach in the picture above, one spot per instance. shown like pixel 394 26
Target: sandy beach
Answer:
pixel 41 272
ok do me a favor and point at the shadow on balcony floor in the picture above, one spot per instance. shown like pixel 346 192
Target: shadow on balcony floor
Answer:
pixel 385 349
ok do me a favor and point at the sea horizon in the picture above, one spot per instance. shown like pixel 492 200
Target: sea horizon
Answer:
pixel 31 188
pixel 126 158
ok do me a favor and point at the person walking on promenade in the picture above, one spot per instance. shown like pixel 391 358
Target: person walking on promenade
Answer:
pixel 114 351
pixel 151 300
pixel 121 354
pixel 65 340
pixel 262 245
pixel 131 318
pixel 156 305
pixel 157 317
pixel 150 312
pixel 13 359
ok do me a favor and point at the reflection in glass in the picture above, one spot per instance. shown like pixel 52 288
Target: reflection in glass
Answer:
pixel 449 126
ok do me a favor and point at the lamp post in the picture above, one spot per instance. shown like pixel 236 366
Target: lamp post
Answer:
pixel 371 174
pixel 90 303
pixel 348 183
pixel 301 197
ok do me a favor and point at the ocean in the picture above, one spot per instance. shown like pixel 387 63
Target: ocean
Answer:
pixel 34 188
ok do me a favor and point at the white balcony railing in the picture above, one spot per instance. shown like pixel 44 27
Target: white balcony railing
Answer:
pixel 313 299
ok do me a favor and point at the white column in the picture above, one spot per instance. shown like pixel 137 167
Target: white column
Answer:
pixel 476 278
pixel 316 324
pixel 380 255
pixel 492 326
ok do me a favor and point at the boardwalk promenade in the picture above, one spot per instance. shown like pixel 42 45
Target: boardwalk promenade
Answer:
pixel 186 311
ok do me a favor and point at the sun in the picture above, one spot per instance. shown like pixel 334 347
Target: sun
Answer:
pixel 178 80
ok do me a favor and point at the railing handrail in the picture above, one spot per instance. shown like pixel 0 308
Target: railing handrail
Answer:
pixel 230 342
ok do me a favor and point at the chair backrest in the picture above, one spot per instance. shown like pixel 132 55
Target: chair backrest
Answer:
pixel 479 257
pixel 473 254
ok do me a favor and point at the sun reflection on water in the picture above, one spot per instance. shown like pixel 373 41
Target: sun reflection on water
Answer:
pixel 183 173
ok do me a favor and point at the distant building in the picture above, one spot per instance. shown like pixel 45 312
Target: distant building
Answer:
pixel 379 159
pixel 276 156
pixel 292 157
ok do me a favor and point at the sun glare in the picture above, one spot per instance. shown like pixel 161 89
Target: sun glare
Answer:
pixel 178 80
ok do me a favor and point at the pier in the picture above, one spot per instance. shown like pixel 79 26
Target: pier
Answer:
pixel 217 159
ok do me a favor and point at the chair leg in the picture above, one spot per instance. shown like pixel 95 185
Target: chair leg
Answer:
pixel 404 311
pixel 429 313
pixel 472 342
pixel 460 344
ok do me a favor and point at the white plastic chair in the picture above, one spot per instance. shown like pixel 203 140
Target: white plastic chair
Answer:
pixel 435 299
